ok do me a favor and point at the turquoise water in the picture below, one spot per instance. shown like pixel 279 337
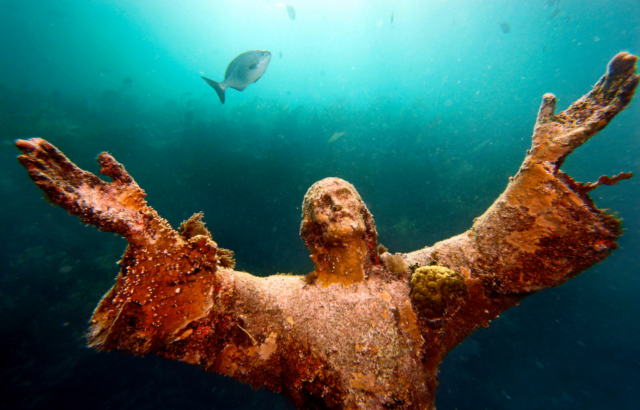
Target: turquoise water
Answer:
pixel 437 109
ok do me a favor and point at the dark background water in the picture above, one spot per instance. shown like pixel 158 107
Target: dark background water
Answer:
pixel 437 109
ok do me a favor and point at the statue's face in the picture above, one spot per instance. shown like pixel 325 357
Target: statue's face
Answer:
pixel 337 208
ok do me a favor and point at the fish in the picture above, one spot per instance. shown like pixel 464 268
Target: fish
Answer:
pixel 554 13
pixel 335 136
pixel 391 20
pixel 291 12
pixel 551 3
pixel 505 27
pixel 127 83
pixel 243 71
pixel 280 54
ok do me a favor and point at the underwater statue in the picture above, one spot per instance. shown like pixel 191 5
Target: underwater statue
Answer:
pixel 366 329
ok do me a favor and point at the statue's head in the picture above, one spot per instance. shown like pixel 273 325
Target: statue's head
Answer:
pixel 338 230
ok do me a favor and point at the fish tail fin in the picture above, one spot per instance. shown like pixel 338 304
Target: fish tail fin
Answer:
pixel 216 86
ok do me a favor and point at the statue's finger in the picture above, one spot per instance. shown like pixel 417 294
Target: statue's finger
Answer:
pixel 627 90
pixel 547 109
pixel 621 67
pixel 113 169
pixel 57 161
pixel 41 155
pixel 26 146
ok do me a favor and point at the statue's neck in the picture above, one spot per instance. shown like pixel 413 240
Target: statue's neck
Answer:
pixel 341 262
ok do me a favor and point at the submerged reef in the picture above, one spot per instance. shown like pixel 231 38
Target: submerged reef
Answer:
pixel 358 333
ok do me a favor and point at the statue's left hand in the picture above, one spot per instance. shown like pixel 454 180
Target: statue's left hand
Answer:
pixel 118 206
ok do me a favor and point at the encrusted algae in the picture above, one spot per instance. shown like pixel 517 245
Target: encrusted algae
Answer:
pixel 225 258
pixel 395 263
pixel 433 287
pixel 194 227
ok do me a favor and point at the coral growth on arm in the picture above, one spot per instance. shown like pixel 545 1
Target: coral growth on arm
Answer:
pixel 366 329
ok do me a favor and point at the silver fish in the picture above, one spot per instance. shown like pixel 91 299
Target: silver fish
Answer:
pixel 554 13
pixel 551 3
pixel 243 71
pixel 291 12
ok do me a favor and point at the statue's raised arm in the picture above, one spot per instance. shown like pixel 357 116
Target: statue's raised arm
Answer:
pixel 544 228
pixel 365 329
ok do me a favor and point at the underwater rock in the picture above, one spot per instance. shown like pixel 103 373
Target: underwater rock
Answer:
pixel 355 337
